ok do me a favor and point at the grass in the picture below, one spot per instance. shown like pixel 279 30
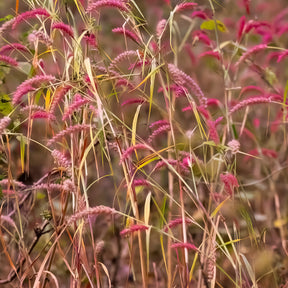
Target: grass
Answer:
pixel 143 144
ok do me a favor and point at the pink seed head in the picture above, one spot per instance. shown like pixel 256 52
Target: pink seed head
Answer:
pixel 250 52
pixel 213 134
pixel 126 32
pixel 4 122
pixel 234 145
pixel 8 60
pixel 262 151
pixel 185 6
pixel 121 5
pixel 20 92
pixel 90 39
pixel 202 37
pixel 160 27
pixel 199 14
pixel 131 149
pixel 177 222
pixel 160 130
pixel 13 46
pixel 43 115
pixel 251 88
pixel 230 182
pixel 158 123
pixel 133 101
pixel 30 14
pixel 64 28
pixel 250 101
pixel 77 103
pixel 188 246
pixel 133 228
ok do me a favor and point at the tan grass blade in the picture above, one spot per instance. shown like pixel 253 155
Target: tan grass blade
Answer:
pixel 134 125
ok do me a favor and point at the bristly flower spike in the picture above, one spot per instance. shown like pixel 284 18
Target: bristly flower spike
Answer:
pixel 123 56
pixel 140 182
pixel 242 22
pixel 214 54
pixel 132 229
pixel 158 123
pixel 250 52
pixel 160 27
pixel 282 55
pixel 253 24
pixel 43 115
pixel 28 86
pixel 133 101
pixel 58 95
pixel 177 222
pixel 20 92
pixel 182 78
pixel 30 14
pixel 33 108
pixel 230 182
pixel 61 158
pixel 247 6
pixel 213 134
pixel 251 88
pixel 200 14
pixel 6 25
pixel 91 212
pixel 8 60
pixel 131 149
pixel 72 129
pixel 121 5
pixel 160 130
pixel 64 28
pixel 184 245
pixel 77 103
pixel 250 101
pixel 185 6
pixel 264 151
pixel 234 146
pixel 13 46
pixel 4 122
pixel 202 36
pixel 126 32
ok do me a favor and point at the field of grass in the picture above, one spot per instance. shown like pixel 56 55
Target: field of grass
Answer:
pixel 143 143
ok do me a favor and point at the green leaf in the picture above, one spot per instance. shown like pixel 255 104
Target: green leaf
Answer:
pixel 6 18
pixel 210 25
pixel 37 96
pixel 23 142
pixel 163 208
pixel 25 67
pixel 249 224
pixel 144 163
pixel 5 104
pixel 163 252
pixel 270 76
pixel 285 93
pixel 40 195
pixel 214 213
pixel 234 131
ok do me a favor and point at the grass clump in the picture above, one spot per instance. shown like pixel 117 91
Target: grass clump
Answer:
pixel 143 144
